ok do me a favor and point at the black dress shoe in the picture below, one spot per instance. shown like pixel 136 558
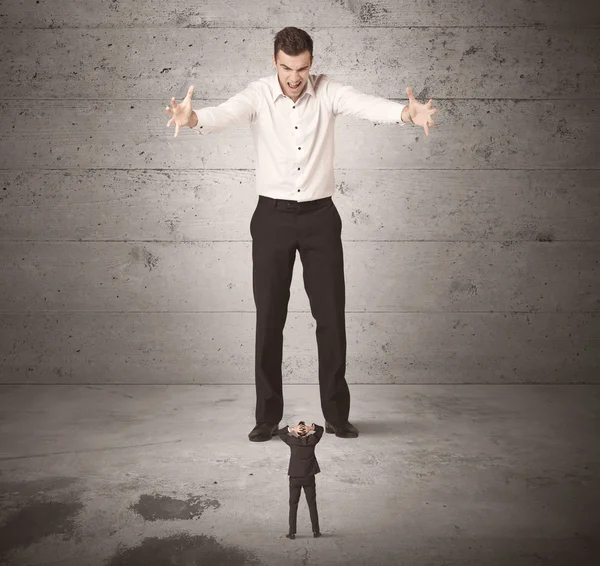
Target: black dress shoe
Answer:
pixel 317 534
pixel 343 430
pixel 263 431
pixel 290 535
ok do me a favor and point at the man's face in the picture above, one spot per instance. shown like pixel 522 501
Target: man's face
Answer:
pixel 292 72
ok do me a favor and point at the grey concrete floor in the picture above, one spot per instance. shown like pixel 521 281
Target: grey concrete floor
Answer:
pixel 165 475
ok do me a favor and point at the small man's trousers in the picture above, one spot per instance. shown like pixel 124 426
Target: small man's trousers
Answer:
pixel 310 491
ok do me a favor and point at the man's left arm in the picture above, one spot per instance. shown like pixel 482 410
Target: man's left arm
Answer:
pixel 349 101
pixel 283 433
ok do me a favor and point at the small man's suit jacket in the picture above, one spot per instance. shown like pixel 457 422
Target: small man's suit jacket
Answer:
pixel 303 461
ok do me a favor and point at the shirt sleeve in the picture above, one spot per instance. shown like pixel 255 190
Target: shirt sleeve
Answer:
pixel 349 101
pixel 240 110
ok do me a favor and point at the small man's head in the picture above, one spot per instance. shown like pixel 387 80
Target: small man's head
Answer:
pixel 301 428
pixel 293 58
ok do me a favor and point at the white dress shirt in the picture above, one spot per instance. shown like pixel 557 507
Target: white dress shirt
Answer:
pixel 294 141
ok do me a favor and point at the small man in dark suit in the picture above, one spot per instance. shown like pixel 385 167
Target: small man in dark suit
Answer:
pixel 303 466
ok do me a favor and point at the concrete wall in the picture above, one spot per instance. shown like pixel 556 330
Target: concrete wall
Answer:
pixel 472 255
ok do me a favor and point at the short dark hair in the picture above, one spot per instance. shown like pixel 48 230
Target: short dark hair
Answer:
pixel 292 41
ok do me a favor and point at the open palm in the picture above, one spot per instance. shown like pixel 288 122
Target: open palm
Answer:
pixel 420 113
pixel 180 113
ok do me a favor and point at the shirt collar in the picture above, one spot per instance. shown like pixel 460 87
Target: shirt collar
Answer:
pixel 277 91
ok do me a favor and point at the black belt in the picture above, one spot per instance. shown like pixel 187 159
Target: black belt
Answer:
pixel 294 204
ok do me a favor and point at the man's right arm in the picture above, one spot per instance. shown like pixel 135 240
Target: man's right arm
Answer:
pixel 318 432
pixel 240 110
pixel 193 119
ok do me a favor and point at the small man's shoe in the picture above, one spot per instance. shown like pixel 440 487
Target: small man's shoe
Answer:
pixel 263 431
pixel 343 430
pixel 316 534
pixel 291 535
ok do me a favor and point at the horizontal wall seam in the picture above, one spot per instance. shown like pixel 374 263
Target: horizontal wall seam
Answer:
pixel 200 99
pixel 536 26
pixel 249 240
pixel 308 384
pixel 401 169
pixel 307 311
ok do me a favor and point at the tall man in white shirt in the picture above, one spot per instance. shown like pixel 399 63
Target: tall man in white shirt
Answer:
pixel 291 115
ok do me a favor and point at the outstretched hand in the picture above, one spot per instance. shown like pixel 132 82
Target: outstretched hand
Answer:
pixel 420 113
pixel 180 113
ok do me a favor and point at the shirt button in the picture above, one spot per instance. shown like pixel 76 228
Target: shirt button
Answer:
pixel 293 107
pixel 298 190
pixel 298 168
pixel 296 127
pixel 299 148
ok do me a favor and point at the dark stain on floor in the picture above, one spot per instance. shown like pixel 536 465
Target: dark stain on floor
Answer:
pixel 164 508
pixel 184 550
pixel 36 520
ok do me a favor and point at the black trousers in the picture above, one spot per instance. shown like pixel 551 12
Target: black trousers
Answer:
pixel 310 491
pixel 278 229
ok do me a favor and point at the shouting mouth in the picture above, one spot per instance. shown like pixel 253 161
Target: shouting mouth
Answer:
pixel 295 86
